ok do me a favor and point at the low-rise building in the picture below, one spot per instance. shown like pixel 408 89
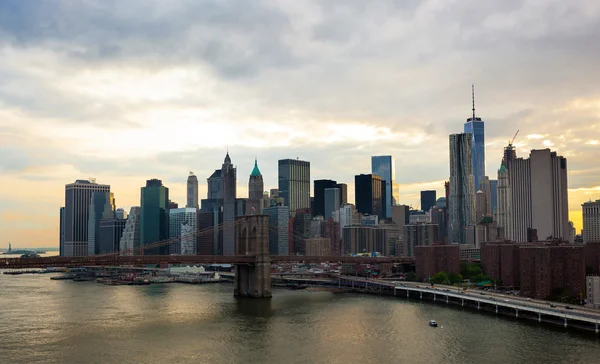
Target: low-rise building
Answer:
pixel 431 259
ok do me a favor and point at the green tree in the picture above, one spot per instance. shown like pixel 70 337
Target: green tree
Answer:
pixel 411 277
pixel 454 278
pixel 439 278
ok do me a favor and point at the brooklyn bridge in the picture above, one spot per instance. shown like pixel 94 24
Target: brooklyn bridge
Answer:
pixel 252 261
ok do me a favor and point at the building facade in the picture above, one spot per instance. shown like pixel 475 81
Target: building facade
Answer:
pixel 294 183
pixel 192 191
pixel 539 197
pixel 475 127
pixel 320 186
pixel 318 247
pixel 428 199
pixel 256 185
pixel 78 196
pixel 278 229
pixel 154 217
pixel 110 234
pixel 432 259
pixel 177 217
pixel 461 199
pixel 130 239
pixel 228 190
pixel 419 234
pixel 369 194
pixel 591 221
pixel 332 202
pixel 385 167
pixel 99 202
pixel 592 288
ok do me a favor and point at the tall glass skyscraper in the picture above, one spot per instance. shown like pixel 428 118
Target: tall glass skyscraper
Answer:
pixel 154 217
pixel 476 128
pixel 385 167
pixel 461 199
pixel 294 184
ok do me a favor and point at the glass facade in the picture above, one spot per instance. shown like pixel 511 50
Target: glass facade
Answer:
pixel 428 199
pixel 461 209
pixel 476 128
pixel 319 192
pixel 154 217
pixel 294 184
pixel 385 167
pixel 369 193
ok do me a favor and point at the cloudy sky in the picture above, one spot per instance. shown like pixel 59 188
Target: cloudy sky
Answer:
pixel 124 91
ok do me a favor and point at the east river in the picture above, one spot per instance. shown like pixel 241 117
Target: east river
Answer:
pixel 45 321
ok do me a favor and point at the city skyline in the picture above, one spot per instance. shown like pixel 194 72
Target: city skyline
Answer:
pixel 79 103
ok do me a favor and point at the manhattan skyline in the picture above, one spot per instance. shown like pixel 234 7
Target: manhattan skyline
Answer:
pixel 124 99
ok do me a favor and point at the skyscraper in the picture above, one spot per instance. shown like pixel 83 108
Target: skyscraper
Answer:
pixel 369 192
pixel 78 197
pixel 427 199
pixel 476 128
pixel 332 202
pixel 98 205
pixel 278 229
pixel 494 195
pixel 503 212
pixel 294 183
pixel 385 167
pixel 177 217
pixel 228 190
pixel 591 221
pixel 539 198
pixel 320 186
pixel 461 199
pixel 343 192
pixel 192 191
pixel 130 239
pixel 154 217
pixel 256 185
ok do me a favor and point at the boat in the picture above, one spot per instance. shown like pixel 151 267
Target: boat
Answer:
pixel 84 279
pixel 432 323
pixel 299 286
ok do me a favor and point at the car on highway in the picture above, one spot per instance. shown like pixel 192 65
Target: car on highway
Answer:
pixel 568 307
pixel 552 305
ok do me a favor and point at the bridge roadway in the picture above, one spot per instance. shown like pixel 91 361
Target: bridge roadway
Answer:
pixel 541 309
pixel 116 260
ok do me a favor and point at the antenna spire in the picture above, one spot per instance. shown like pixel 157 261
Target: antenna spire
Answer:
pixel 473 98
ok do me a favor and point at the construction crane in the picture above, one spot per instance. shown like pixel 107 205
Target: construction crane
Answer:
pixel 513 139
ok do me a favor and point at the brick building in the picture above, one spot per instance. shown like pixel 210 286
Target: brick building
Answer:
pixel 431 259
pixel 500 261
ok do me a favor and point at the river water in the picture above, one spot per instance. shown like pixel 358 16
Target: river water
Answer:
pixel 45 321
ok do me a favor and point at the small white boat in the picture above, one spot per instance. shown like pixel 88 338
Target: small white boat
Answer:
pixel 432 323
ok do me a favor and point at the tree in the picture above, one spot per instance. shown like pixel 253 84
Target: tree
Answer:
pixel 411 277
pixel 439 278
pixel 454 278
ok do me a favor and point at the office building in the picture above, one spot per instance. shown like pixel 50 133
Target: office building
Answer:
pixel 332 202
pixel 228 191
pixel 485 186
pixel 461 200
pixel 494 195
pixel 503 212
pixel 256 185
pixel 278 229
pixel 346 215
pixel 61 232
pixel 500 261
pixel 177 218
pixel 431 259
pixel 385 167
pixel 320 186
pixel 369 194
pixel 210 237
pixel 78 196
pixel 318 247
pixel 214 186
pixel 475 127
pixel 120 213
pixel 294 183
pixel 301 231
pixel 591 221
pixel 539 198
pixel 188 238
pixel 192 191
pixel 419 234
pixel 110 234
pixel 343 192
pixel 130 239
pixel 427 199
pixel 99 202
pixel 438 217
pixel 154 218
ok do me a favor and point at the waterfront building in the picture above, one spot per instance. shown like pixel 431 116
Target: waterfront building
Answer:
pixel 500 261
pixel 192 191
pixel 99 202
pixel 592 288
pixel 177 217
pixel 188 237
pixel 256 185
pixel 428 199
pixel 431 259
pixel 278 229
pixel 154 217
pixel 461 200
pixel 130 239
pixel 539 197
pixel 228 190
pixel 385 167
pixel 294 183
pixel 61 232
pixel 475 127
pixel 591 221
pixel 369 193
pixel 110 234
pixel 78 196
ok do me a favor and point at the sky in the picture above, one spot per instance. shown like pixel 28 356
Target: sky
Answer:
pixel 125 91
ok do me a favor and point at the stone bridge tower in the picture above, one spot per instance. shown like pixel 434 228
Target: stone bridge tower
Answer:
pixel 252 238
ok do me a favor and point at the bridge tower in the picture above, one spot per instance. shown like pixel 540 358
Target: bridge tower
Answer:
pixel 252 238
